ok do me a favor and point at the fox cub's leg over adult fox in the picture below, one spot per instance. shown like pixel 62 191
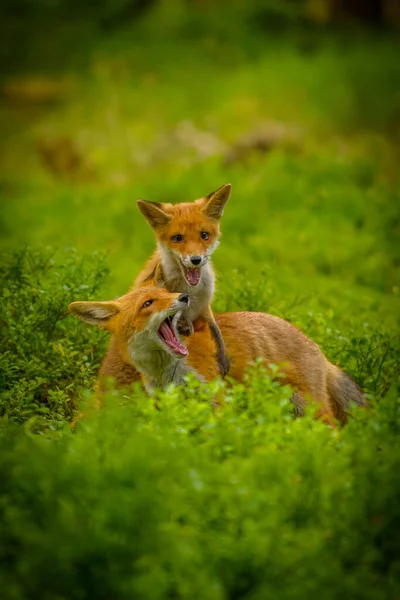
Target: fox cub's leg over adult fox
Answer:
pixel 187 234
pixel 143 324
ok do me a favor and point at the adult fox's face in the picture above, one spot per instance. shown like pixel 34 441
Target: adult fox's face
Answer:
pixel 143 320
pixel 188 232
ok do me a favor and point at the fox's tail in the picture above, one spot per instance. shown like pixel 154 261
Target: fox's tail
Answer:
pixel 343 391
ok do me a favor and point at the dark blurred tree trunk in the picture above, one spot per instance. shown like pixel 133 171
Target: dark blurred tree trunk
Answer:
pixel 371 12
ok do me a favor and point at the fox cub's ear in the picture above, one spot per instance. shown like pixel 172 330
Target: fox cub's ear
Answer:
pixel 215 202
pixel 153 213
pixel 95 313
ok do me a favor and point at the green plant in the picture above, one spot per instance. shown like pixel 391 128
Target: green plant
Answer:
pixel 170 496
pixel 46 359
pixel 185 500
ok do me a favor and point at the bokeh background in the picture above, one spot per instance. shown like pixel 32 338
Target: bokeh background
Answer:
pixel 297 104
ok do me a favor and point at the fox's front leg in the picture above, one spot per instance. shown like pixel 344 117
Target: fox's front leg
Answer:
pixel 223 360
pixel 185 325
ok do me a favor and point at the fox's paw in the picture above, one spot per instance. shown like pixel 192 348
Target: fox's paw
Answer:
pixel 224 365
pixel 185 327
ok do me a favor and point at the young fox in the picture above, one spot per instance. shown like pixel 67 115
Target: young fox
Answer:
pixel 145 336
pixel 187 235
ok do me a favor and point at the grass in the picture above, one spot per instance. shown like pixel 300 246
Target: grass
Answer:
pixel 186 501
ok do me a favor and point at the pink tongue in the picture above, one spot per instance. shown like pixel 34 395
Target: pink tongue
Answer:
pixel 171 339
pixel 193 276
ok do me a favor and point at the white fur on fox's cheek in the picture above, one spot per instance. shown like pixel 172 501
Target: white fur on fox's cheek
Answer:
pixel 212 248
pixel 166 251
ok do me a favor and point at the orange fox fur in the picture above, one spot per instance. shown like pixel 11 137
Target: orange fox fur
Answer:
pixel 187 235
pixel 137 322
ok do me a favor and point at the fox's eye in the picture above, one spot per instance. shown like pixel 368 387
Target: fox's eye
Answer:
pixel 204 235
pixel 177 238
pixel 147 303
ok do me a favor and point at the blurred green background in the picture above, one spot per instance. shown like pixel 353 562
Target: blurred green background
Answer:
pixel 297 104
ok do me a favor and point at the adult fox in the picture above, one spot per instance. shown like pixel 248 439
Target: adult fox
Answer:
pixel 187 235
pixel 145 337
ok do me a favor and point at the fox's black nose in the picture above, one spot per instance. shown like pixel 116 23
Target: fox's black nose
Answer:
pixel 184 298
pixel 195 260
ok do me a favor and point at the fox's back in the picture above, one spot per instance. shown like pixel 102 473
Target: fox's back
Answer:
pixel 149 273
pixel 257 334
pixel 249 335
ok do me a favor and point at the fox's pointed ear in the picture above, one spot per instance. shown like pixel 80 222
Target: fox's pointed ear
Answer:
pixel 153 213
pixel 215 202
pixel 95 313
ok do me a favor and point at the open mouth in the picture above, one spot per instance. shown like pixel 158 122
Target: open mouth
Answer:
pixel 192 276
pixel 167 334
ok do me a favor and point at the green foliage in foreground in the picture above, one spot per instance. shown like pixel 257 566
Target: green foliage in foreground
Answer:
pixel 48 358
pixel 44 359
pixel 169 497
pixel 184 502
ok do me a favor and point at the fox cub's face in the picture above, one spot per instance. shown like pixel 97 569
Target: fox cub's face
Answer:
pixel 143 320
pixel 188 232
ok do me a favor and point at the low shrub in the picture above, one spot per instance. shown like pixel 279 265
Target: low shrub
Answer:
pixel 170 497
pixel 184 501
pixel 45 360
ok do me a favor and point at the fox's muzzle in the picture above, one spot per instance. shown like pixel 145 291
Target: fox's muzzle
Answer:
pixel 182 302
pixel 194 261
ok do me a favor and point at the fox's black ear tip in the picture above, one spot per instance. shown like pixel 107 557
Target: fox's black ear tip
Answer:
pixel 72 308
pixel 142 205
pixel 141 202
pixel 226 188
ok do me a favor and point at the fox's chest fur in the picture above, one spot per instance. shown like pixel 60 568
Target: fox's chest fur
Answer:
pixel 159 368
pixel 200 295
